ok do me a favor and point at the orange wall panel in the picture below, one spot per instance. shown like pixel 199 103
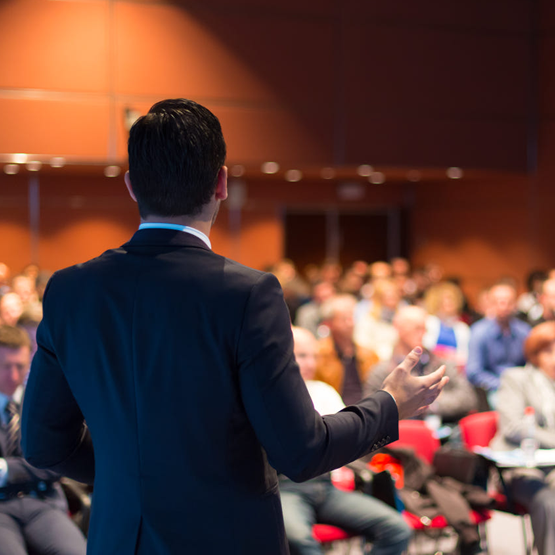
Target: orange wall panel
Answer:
pixel 255 134
pixel 57 127
pixel 60 46
pixel 164 51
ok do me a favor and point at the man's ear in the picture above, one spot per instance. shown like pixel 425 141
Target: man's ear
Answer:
pixel 129 186
pixel 221 185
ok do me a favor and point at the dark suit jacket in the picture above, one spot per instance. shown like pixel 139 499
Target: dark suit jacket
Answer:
pixel 181 363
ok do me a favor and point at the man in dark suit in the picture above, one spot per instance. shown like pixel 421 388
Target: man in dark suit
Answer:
pixel 33 508
pixel 181 364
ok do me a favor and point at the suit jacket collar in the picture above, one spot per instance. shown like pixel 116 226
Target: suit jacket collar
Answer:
pixel 172 237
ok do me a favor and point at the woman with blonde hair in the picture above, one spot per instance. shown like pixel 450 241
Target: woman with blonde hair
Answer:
pixel 446 334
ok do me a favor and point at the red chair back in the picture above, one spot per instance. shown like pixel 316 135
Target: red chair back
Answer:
pixel 415 434
pixel 477 430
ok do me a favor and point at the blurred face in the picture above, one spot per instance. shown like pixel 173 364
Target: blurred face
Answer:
pixel 503 302
pixel 546 360
pixel 342 323
pixel 548 295
pixel 11 309
pixel 411 327
pixel 24 287
pixel 390 297
pixel 323 291
pixel 14 364
pixel 305 350
pixel 448 304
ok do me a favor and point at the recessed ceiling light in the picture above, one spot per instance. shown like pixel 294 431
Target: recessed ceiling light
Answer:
pixel 377 178
pixel 33 166
pixel 112 171
pixel 365 170
pixel 293 175
pixel 454 173
pixel 327 173
pixel 237 170
pixel 270 167
pixel 58 162
pixel 11 169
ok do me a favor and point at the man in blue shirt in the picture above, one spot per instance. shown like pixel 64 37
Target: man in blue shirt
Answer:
pixel 496 343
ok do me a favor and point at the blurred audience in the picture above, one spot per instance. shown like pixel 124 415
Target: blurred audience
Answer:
pixel 529 301
pixel 318 500
pixel 11 308
pixel 33 509
pixel 25 287
pixel 446 334
pixel 342 363
pixel 374 329
pixel 544 309
pixel 531 386
pixel 295 290
pixel 458 397
pixel 496 343
pixel 309 315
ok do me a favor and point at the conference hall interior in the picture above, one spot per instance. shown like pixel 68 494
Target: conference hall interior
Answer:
pixel 391 162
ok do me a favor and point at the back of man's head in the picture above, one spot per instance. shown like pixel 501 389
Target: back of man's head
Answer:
pixel 175 154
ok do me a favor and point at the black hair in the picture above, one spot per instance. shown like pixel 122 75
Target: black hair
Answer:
pixel 175 154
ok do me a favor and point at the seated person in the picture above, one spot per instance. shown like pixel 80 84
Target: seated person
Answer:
pixel 457 398
pixel 342 363
pixel 373 328
pixel 446 334
pixel 531 386
pixel 496 342
pixel 33 508
pixel 317 500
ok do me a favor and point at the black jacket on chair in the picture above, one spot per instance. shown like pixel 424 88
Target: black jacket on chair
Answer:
pixel 181 363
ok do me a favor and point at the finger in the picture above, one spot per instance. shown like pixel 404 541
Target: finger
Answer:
pixel 421 410
pixel 438 386
pixel 434 391
pixel 434 378
pixel 411 360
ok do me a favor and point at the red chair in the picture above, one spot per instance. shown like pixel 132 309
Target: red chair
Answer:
pixel 415 434
pixel 477 430
pixel 329 535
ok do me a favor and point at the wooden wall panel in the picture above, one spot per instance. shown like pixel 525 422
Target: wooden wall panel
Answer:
pixel 265 134
pixel 466 15
pixel 444 143
pixel 52 45
pixel 77 127
pixel 180 57
pixel 15 247
pixel 433 97
pixel 547 76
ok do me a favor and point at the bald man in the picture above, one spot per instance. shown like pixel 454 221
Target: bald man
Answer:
pixel 458 397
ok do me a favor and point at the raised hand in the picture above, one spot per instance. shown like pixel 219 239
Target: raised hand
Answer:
pixel 414 394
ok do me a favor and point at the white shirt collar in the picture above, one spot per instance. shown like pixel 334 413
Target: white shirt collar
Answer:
pixel 203 237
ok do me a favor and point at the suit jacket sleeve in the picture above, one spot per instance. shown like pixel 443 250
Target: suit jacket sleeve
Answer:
pixel 22 474
pixel 53 432
pixel 298 441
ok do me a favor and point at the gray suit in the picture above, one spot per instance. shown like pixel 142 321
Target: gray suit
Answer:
pixel 532 487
